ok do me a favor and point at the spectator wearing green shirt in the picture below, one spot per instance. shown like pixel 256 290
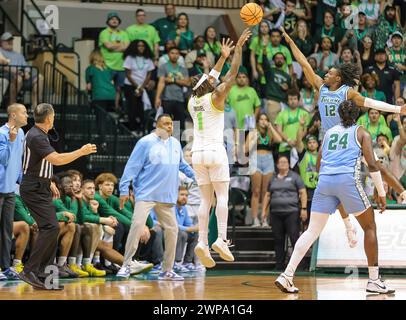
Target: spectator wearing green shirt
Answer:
pixel 307 164
pixel 183 36
pixel 212 44
pixel 386 26
pixel 99 82
pixel 105 248
pixel 113 42
pixel 90 231
pixel 143 31
pixel 257 45
pixel 325 57
pixel 24 228
pixel 370 81
pixel 105 183
pixel 166 25
pixel 288 122
pixel 328 29
pixel 375 127
pixel 245 102
pixel 277 84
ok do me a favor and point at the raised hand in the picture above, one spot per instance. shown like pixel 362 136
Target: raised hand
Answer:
pixel 287 37
pixel 13 133
pixel 246 34
pixel 88 149
pixel 226 47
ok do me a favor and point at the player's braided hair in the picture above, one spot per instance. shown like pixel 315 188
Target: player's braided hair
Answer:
pixel 348 112
pixel 349 73
pixel 204 88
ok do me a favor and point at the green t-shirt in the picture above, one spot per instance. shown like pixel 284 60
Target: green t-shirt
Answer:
pixel 144 32
pixel 377 95
pixel 215 48
pixel 68 205
pixel 244 101
pixel 101 81
pixel 114 60
pixel 186 39
pixel 308 172
pixel 258 47
pixel 164 26
pixel 382 127
pixel 289 120
pixel 111 207
pixel 21 212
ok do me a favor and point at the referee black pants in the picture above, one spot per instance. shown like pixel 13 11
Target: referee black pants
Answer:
pixel 37 196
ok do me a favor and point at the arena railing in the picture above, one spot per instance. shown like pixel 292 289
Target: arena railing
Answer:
pixel 227 4
pixel 17 83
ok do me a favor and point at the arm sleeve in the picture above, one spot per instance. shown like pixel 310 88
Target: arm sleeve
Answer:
pixel 60 209
pixel 124 211
pixel 103 37
pixel 161 71
pixel 127 63
pixel 299 182
pixel 89 74
pixel 5 150
pixel 42 146
pixel 133 167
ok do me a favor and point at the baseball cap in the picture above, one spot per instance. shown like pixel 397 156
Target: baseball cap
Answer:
pixel 362 12
pixel 310 137
pixel 397 33
pixel 111 15
pixel 201 53
pixel 6 36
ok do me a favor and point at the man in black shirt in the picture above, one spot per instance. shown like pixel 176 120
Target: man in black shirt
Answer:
pixel 389 77
pixel 38 160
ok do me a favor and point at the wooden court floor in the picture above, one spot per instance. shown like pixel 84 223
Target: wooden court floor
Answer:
pixel 212 286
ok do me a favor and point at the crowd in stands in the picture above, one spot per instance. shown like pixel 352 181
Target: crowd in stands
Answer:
pixel 143 67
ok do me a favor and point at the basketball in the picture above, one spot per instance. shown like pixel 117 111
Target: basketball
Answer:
pixel 251 14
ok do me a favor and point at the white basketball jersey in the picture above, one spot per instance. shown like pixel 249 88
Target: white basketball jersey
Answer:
pixel 208 123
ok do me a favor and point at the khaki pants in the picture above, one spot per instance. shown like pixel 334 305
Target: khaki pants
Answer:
pixel 272 109
pixel 167 218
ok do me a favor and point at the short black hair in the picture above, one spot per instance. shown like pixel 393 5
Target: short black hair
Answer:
pixel 276 30
pixel 293 92
pixel 278 53
pixel 139 10
pixel 42 111
pixel 163 116
pixel 382 135
pixel 348 112
pixel 173 48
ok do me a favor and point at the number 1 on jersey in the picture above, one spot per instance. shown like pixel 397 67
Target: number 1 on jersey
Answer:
pixel 200 120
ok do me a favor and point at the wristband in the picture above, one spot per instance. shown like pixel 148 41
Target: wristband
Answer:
pixel 215 74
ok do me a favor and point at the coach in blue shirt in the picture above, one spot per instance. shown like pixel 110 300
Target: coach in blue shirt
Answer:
pixel 11 152
pixel 153 168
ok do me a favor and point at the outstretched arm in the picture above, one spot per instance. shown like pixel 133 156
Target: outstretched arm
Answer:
pixel 313 78
pixel 221 91
pixel 374 104
pixel 226 48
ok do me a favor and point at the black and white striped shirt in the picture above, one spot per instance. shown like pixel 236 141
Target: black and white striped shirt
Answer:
pixel 36 148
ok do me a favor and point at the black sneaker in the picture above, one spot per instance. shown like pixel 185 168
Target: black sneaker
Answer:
pixel 99 266
pixel 66 269
pixel 32 279
pixel 112 268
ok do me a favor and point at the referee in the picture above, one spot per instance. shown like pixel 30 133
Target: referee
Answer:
pixel 38 160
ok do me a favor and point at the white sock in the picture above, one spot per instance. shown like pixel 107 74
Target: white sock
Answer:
pixel 16 262
pixel 316 225
pixel 107 263
pixel 86 261
pixel 373 273
pixel 71 261
pixel 347 223
pixel 79 259
pixel 206 192
pixel 222 189
pixel 62 261
pixel 96 259
pixel 91 256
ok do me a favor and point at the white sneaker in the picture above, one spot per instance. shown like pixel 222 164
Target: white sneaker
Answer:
pixel 256 223
pixel 378 286
pixel 265 224
pixel 124 272
pixel 352 237
pixel 221 247
pixel 285 284
pixel 203 253
pixel 138 267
